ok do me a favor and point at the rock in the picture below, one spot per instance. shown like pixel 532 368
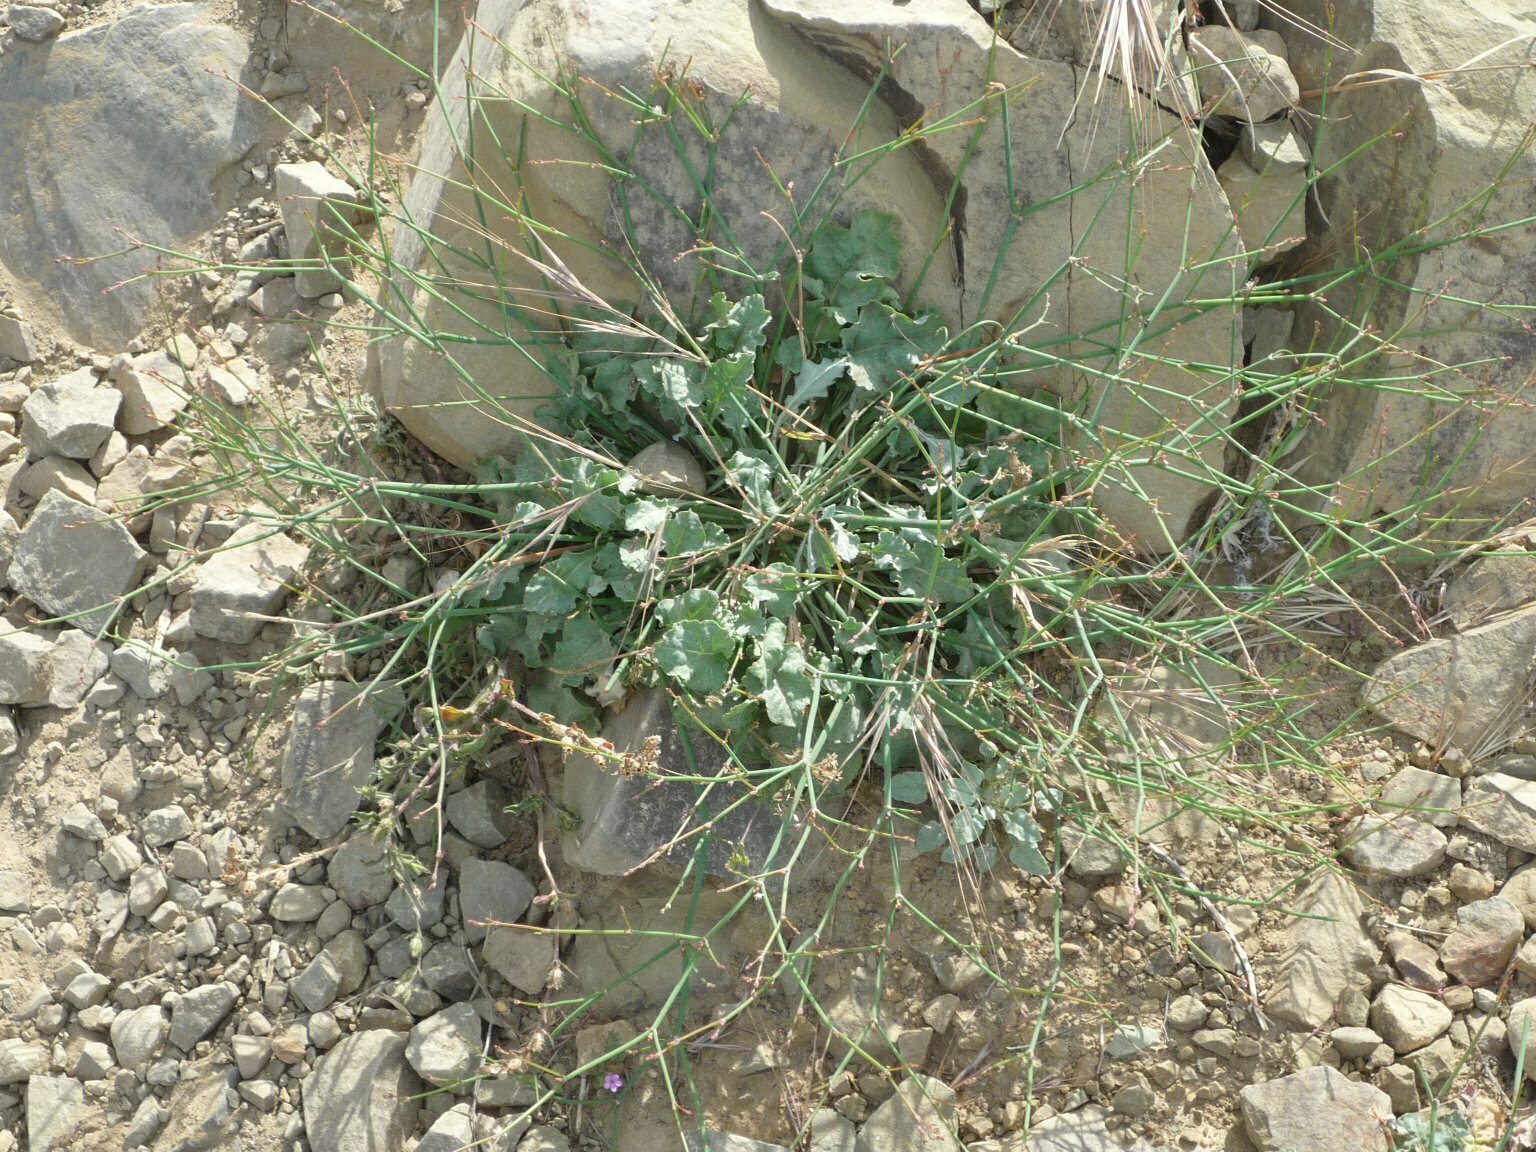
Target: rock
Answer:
pixel 1275 147
pixel 19 1060
pixel 1326 952
pixel 154 389
pixel 200 1011
pixel 1503 807
pixel 491 891
pixel 417 904
pixel 524 959
pixel 56 474
pixel 85 990
pixel 667 469
pixel 1417 961
pixel 359 1096
pixel 361 873
pixel 70 417
pixel 339 970
pixel 1427 796
pixel 34 24
pixel 479 814
pixel 920 1117
pixel 1397 847
pixel 147 1121
pixel 723 1142
pixel 251 1053
pixel 1240 77
pixel 18 341
pixel 166 825
pixel 623 820
pixel 55 1107
pixel 127 488
pixel 445 1048
pixel 1355 1043
pixel 1520 1034
pixel 1089 856
pixel 75 662
pixel 144 670
pixel 1407 1018
pixel 331 753
pixel 250 574
pixel 79 821
pixel 94 1062
pixel 543 1138
pixel 1317 1110
pixel 1455 691
pixel 453 1131
pixel 137 1035
pixel 1485 938
pixel 75 561
pixel 812 62
pixel 298 903
pixel 147 890
pixel 85 116
pixel 449 971
pixel 1520 890
pixel 26 667
pixel 831 1132
pixel 317 210
pixel 120 857
pixel 1270 207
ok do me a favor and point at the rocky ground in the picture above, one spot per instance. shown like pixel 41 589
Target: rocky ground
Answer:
pixel 199 949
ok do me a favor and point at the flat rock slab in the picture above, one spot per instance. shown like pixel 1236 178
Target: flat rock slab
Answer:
pixel 358 1099
pixel 111 132
pixel 75 561
pixel 1319 1110
pixel 920 1117
pixel 1086 1130
pixel 243 582
pixel 331 753
pixel 1326 952
pixel 1458 690
pixel 1504 807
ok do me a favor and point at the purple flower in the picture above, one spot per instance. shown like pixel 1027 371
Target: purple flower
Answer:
pixel 613 1082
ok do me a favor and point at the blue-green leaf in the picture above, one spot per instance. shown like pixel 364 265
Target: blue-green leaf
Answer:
pixel 697 654
pixel 813 380
pixel 909 788
pixel 781 676
pixel 687 535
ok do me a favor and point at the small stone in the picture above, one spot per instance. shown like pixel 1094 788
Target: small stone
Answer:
pixel 1186 1013
pixel 666 469
pixel 330 754
pixel 200 1011
pixel 445 1048
pixel 147 890
pixel 259 1094
pixel 248 578
pixel 1399 847
pixel 361 1095
pixel 35 24
pixel 120 857
pixel 453 1131
pixel 939 1012
pixel 81 822
pixel 55 1107
pixel 166 825
pixel 360 873
pixel 251 1053
pixel 316 208
pixel 417 905
pixel 69 417
pixel 137 1035
pixel 1318 1108
pixel 20 1060
pixel 86 990
pixel 1407 1018
pixel 524 959
pixel 920 1117
pixel 1430 797
pixel 490 890
pixel 94 1062
pixel 75 561
pixel 1418 963
pixel 201 936
pixel 449 971
pixel 298 903
pixel 1131 1039
pixel 955 972
pixel 1484 940
pixel 147 1121
pixel 479 814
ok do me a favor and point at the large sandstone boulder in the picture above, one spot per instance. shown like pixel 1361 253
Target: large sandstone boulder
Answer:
pixel 1428 155
pixel 110 133
pixel 1103 277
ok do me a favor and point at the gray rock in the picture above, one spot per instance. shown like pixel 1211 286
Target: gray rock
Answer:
pixel 723 1142
pixel 339 970
pixel 147 1121
pixel 26 666
pixel 666 469
pixel 102 113
pixel 1408 1018
pixel 543 1138
pixel 147 890
pixel 81 822
pixel 138 1034
pixel 1503 807
pixel 449 971
pixel 155 391
pixel 832 1132
pixel 1355 1043
pixel 75 561
pixel 317 210
pixel 491 891
pixel 524 959
pixel 1520 890
pixel 85 990
pixel 1089 856
pixel 1326 951
pixel 445 1048
pixel 249 576
pixel 1456 690
pixel 94 1062
pixel 626 819
pixel 1131 1040
pixel 1520 1033
pixel 920 1117
pixel 75 662
pixel 120 857
pixel 1239 76
pixel 1318 1109
pixel 1397 847
pixel 201 937
pixel 55 1107
pixel 359 1098
pixel 251 1053
pixel 361 873
pixel 34 24
pixel 1484 940
pixel 18 340
pixel 20 1060
pixel 70 417
pixel 298 903
pixel 200 1011
pixel 453 1131
pixel 166 825
pixel 1416 960
pixel 331 753
pixel 479 814
pixel 1428 796
pixel 417 904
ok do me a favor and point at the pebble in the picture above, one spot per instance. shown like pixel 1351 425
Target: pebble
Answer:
pixel 416 904
pixel 361 1094
pixel 55 1105
pixel 445 1048
pixel 1397 848
pixel 360 873
pixel 1318 1108
pixel 198 1012
pixel 138 1033
pixel 251 1053
pixel 1418 963
pixel 298 903
pixel 490 890
pixel 479 814
pixel 1484 940
pixel 1407 1018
